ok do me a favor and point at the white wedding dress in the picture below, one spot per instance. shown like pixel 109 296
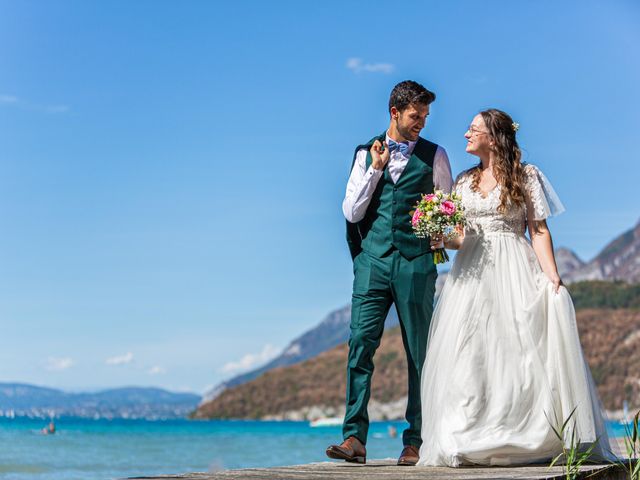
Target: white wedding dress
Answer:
pixel 504 360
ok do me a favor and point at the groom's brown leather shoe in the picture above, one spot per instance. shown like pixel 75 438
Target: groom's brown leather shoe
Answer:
pixel 351 450
pixel 409 456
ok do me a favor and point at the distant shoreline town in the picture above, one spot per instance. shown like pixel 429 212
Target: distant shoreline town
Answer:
pixel 24 400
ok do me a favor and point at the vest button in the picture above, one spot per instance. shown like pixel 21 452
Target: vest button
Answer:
pixel 393 229
pixel 395 189
pixel 394 202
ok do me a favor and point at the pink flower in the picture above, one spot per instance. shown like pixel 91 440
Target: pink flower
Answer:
pixel 417 215
pixel 448 208
pixel 429 197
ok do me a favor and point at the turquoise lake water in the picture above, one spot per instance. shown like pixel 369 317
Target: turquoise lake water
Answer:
pixel 103 449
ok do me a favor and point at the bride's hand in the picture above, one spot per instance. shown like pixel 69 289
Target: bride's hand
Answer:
pixel 436 241
pixel 556 281
pixel 379 157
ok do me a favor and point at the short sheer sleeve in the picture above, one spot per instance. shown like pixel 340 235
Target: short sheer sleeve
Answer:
pixel 541 197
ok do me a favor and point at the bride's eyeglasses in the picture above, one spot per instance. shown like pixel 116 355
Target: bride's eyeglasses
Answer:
pixel 474 131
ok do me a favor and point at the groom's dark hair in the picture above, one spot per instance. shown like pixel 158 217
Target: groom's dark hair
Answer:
pixel 408 92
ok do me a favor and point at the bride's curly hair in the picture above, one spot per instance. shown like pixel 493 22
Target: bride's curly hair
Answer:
pixel 507 170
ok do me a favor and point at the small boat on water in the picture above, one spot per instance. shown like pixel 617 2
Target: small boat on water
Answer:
pixel 326 422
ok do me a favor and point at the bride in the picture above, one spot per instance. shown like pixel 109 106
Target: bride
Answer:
pixel 504 363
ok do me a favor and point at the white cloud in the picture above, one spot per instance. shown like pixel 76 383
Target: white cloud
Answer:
pixel 12 100
pixel 294 349
pixel 120 359
pixel 156 370
pixel 251 360
pixel 58 364
pixel 179 389
pixel 358 66
pixel 8 99
pixel 56 108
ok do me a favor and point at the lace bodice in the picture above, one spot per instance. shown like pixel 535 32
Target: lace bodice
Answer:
pixel 482 212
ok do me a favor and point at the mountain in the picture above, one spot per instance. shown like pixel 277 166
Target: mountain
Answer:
pixel 130 402
pixel 332 331
pixel 610 338
pixel 319 381
pixel 619 260
pixel 567 261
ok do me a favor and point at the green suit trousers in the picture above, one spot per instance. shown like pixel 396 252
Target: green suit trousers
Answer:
pixel 378 283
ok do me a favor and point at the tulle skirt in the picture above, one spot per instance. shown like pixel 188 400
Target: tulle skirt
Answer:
pixel 504 363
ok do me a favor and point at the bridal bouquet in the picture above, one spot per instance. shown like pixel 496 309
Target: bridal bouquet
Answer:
pixel 438 213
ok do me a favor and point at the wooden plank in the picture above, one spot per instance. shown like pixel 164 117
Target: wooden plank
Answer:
pixel 388 470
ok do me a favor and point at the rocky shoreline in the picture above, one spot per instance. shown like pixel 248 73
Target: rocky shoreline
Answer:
pixel 379 411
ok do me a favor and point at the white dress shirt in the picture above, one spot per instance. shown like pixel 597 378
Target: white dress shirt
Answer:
pixel 362 181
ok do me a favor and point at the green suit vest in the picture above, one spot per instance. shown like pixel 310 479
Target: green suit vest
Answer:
pixel 387 223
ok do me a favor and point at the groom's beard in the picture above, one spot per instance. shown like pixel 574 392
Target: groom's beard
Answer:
pixel 408 133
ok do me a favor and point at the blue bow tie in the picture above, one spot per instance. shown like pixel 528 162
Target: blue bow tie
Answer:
pixel 403 148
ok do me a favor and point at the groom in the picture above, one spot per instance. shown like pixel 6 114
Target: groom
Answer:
pixel 391 265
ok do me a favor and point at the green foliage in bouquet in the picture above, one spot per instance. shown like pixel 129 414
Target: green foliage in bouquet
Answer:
pixel 438 214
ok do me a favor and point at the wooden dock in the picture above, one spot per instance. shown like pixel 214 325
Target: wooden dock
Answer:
pixel 388 470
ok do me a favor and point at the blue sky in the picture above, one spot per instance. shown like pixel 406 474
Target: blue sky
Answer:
pixel 171 173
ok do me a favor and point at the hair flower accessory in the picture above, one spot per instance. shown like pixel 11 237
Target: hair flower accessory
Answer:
pixel 515 126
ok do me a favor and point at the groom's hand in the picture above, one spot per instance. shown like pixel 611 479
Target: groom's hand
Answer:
pixel 379 155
